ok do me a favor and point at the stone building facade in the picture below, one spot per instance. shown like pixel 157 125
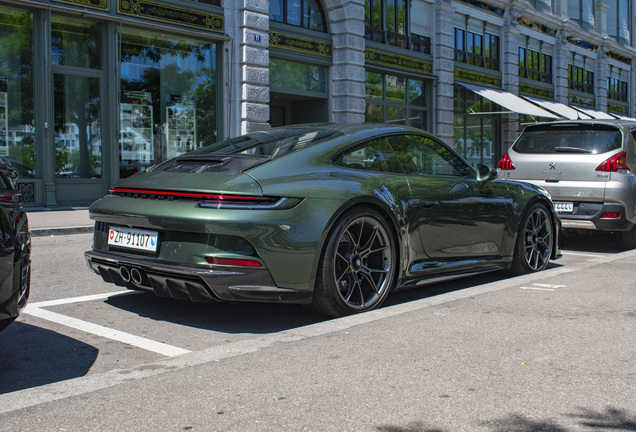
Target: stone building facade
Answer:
pixel 92 91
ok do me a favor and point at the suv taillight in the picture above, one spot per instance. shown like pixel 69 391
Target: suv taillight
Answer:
pixel 505 163
pixel 614 163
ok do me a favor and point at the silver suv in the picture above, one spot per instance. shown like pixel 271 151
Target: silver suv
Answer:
pixel 587 166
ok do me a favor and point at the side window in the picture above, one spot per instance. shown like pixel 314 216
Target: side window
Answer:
pixel 375 155
pixel 420 155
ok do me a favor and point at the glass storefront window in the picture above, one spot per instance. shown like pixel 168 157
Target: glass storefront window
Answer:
pixel 395 99
pixel 475 134
pixel 17 123
pixel 75 42
pixel 77 126
pixel 297 76
pixel 168 97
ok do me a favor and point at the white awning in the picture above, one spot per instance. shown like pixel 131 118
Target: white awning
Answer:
pixel 509 101
pixel 559 108
pixel 596 114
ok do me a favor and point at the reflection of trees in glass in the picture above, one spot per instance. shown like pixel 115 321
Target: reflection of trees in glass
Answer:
pixel 395 89
pixel 373 85
pixel 171 69
pixel 373 113
pixel 16 66
pixel 77 122
pixel 294 75
pixel 76 43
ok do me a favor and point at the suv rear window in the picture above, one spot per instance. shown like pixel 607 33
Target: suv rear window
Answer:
pixel 569 138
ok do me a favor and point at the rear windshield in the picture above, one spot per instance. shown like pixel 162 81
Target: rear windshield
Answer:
pixel 272 143
pixel 566 138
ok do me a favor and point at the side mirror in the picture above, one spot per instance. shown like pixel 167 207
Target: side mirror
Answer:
pixel 485 174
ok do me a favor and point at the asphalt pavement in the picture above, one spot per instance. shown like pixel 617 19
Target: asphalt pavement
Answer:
pixel 551 351
pixel 59 221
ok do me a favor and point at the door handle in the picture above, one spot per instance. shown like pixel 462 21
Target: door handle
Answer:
pixel 428 204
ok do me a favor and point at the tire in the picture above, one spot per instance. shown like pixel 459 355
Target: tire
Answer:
pixel 535 241
pixel 357 265
pixel 628 238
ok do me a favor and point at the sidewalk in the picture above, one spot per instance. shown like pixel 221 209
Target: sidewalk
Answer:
pixel 62 221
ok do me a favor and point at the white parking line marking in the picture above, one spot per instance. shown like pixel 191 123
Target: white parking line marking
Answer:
pixel 583 254
pixel 542 287
pixel 105 332
pixel 70 300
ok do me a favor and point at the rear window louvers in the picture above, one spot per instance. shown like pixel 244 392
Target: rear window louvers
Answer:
pixel 212 164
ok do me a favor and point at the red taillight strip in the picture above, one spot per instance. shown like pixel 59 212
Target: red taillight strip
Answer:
pixel 233 262
pixel 194 195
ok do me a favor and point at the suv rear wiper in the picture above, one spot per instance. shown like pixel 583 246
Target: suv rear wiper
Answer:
pixel 572 150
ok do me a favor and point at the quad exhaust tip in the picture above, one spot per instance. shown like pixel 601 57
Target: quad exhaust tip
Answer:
pixel 136 276
pixel 125 274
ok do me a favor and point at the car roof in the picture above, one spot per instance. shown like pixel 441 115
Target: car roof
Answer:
pixel 618 122
pixel 352 128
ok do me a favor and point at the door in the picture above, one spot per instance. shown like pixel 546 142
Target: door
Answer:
pixel 448 210
pixel 77 94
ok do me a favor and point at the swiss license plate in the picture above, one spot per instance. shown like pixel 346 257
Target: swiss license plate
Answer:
pixel 133 238
pixel 563 207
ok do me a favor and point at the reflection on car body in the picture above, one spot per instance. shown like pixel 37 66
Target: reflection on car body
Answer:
pixel 15 249
pixel 330 216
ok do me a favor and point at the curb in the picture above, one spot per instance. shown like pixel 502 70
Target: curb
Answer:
pixel 45 232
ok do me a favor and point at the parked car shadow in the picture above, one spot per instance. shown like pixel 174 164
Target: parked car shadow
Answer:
pixel 257 318
pixel 592 241
pixel 263 318
pixel 432 290
pixel 610 419
pixel 33 356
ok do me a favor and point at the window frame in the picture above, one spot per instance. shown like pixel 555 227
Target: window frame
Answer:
pixel 580 79
pixel 378 29
pixel 302 4
pixel 469 54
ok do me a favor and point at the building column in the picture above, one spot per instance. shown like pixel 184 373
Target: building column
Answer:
pixel 601 18
pixel 510 74
pixel 561 60
pixel 600 77
pixel 347 74
pixel 248 24
pixel 443 68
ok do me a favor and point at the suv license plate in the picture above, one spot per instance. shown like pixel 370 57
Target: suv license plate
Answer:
pixel 133 238
pixel 563 207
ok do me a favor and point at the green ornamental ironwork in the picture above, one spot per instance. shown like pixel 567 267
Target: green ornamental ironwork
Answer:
pixel 297 43
pixel 477 78
pixel 618 109
pixel 586 102
pixel 96 4
pixel 161 12
pixel 536 91
pixel 401 62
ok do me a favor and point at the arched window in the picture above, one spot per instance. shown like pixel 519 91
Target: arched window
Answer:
pixel 301 13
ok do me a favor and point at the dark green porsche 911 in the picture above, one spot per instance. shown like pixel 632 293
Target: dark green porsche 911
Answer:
pixel 330 216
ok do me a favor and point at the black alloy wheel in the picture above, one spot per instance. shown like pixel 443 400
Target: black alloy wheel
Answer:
pixel 534 242
pixel 357 268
